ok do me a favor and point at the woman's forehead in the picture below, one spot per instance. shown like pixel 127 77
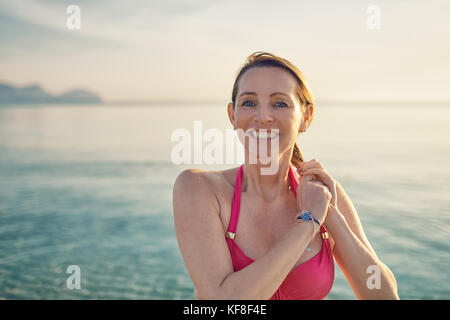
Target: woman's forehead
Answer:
pixel 267 80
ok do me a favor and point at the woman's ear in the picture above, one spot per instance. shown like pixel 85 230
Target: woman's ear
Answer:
pixel 230 110
pixel 309 112
pixel 307 117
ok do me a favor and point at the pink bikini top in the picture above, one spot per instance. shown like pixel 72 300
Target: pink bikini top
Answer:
pixel 312 280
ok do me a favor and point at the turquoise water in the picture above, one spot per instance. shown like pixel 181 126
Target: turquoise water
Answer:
pixel 92 186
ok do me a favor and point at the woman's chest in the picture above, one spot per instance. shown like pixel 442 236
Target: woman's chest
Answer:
pixel 258 226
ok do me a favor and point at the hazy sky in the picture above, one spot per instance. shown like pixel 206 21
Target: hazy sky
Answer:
pixel 145 50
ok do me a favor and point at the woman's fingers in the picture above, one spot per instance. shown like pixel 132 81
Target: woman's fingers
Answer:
pixel 308 178
pixel 320 173
pixel 310 165
pixel 317 172
pixel 325 179
pixel 306 182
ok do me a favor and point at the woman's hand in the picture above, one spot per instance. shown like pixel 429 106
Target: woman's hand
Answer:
pixel 314 168
pixel 313 196
pixel 315 171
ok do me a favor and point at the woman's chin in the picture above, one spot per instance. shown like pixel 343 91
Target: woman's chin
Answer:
pixel 262 160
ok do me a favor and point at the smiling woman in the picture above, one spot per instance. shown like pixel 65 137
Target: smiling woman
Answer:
pixel 289 220
pixel 302 97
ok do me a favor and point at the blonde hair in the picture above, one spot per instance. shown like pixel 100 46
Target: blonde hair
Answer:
pixel 265 59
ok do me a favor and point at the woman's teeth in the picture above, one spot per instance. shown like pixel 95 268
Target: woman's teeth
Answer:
pixel 264 134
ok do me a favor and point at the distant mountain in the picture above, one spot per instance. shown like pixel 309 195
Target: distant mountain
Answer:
pixel 34 94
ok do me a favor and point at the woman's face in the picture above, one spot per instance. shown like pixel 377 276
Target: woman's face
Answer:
pixel 267 99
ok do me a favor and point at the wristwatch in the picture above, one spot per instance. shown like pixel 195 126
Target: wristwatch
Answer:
pixel 306 215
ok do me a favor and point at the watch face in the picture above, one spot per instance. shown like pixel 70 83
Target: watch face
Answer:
pixel 306 216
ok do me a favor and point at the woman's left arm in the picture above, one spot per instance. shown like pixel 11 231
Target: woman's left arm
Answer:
pixel 352 250
pixel 354 254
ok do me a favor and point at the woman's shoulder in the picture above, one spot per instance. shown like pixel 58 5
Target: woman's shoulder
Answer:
pixel 202 190
pixel 213 179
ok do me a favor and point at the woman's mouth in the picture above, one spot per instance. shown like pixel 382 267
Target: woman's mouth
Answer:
pixel 264 134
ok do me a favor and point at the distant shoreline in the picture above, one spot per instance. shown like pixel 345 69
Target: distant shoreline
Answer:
pixel 34 94
pixel 218 103
pixel 319 102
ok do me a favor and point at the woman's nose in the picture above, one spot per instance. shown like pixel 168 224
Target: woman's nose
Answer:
pixel 264 114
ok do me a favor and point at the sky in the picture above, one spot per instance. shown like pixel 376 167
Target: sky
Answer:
pixel 142 50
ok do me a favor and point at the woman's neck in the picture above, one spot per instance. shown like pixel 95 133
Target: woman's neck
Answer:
pixel 267 187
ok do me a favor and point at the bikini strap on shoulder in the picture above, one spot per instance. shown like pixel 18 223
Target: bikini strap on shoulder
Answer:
pixel 231 231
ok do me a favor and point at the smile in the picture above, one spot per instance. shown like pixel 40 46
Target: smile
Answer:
pixel 264 135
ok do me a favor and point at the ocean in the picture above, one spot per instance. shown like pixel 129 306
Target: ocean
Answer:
pixel 91 186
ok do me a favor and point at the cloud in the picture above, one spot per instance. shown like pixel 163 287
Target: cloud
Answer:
pixel 117 21
pixel 179 48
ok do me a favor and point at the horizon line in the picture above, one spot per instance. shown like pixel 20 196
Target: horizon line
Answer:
pixel 153 102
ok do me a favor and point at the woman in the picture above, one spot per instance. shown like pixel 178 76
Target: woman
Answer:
pixel 292 223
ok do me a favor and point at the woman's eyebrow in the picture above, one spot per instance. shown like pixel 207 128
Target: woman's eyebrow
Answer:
pixel 247 93
pixel 254 94
pixel 275 93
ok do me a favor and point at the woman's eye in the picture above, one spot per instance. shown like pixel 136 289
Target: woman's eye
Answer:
pixel 280 104
pixel 248 103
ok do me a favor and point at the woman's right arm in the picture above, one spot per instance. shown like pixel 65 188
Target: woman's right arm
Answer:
pixel 202 242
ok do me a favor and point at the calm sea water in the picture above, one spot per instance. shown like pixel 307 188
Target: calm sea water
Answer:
pixel 92 186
